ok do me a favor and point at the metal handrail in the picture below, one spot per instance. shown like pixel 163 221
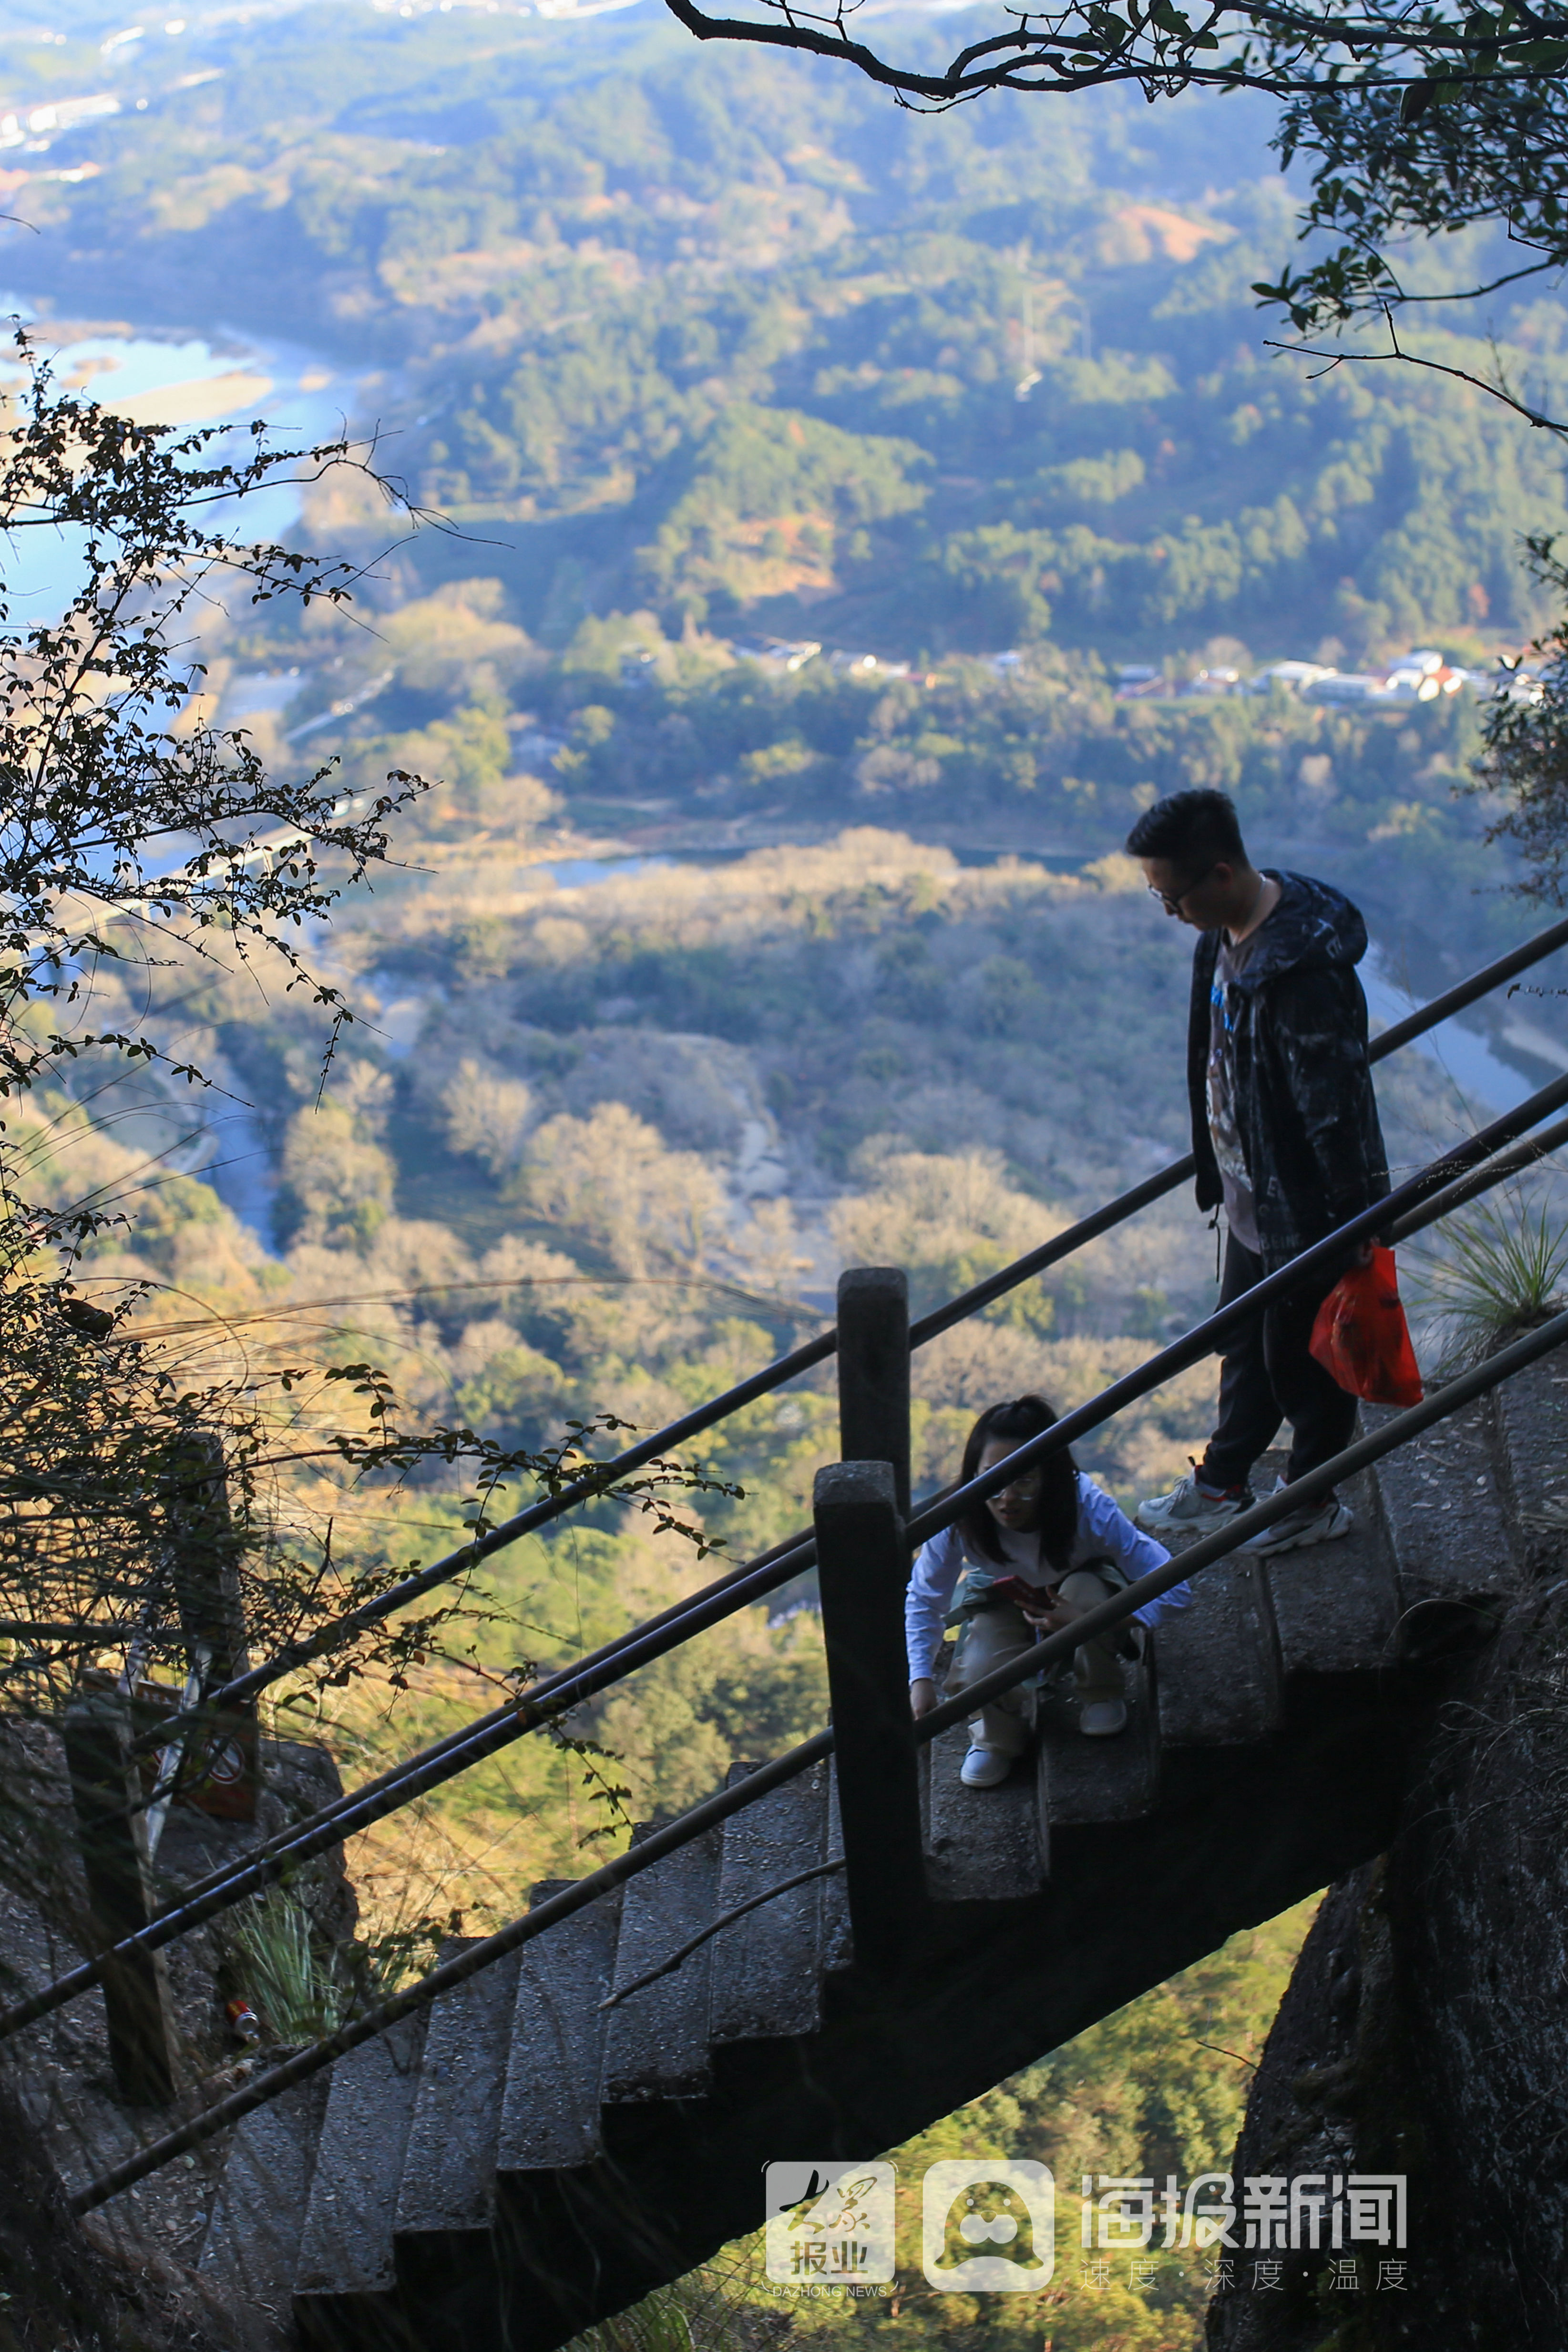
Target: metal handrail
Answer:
pixel 1203 1338
pixel 531 1709
pixel 587 1487
pixel 1423 1199
pixel 1092 1626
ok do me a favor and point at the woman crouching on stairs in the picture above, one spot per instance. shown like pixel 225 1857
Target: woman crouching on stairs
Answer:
pixel 1051 1533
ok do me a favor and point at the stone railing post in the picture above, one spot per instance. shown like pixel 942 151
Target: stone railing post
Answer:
pixel 862 1568
pixel 219 1766
pixel 873 1370
pixel 205 1558
pixel 105 1791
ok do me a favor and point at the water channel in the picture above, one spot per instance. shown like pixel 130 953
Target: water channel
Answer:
pixel 189 381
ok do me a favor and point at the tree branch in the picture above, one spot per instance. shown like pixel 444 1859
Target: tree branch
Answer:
pixel 1437 367
pixel 1093 44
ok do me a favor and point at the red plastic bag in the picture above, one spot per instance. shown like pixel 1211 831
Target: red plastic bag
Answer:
pixel 1362 1340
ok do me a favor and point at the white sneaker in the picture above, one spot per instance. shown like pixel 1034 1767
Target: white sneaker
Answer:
pixel 1190 1509
pixel 985 1768
pixel 1101 1718
pixel 1314 1523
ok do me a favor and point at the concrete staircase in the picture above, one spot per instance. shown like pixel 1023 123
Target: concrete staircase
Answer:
pixel 525 2161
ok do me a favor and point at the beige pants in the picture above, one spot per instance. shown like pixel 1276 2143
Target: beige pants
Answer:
pixel 996 1636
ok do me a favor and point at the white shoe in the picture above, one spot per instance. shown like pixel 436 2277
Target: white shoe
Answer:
pixel 1190 1509
pixel 1101 1718
pixel 1314 1523
pixel 985 1768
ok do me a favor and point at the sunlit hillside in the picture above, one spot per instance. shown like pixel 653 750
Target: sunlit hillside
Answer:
pixel 734 339
pixel 833 526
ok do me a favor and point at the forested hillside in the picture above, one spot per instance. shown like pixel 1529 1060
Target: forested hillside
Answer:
pixel 714 963
pixel 728 336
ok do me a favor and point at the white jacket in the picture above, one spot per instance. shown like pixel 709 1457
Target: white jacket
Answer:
pixel 1104 1532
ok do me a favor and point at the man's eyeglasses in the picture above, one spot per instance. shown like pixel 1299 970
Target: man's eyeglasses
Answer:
pixel 1173 906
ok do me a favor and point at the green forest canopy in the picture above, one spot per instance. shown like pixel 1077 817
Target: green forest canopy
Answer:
pixel 730 346
pixel 730 336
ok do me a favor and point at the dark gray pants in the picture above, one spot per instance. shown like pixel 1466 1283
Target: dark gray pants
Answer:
pixel 1268 1376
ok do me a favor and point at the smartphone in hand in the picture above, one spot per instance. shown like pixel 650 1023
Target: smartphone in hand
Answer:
pixel 1021 1593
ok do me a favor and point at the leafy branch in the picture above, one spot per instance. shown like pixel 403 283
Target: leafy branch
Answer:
pixel 1523 765
pixel 1417 54
pixel 1419 118
pixel 116 810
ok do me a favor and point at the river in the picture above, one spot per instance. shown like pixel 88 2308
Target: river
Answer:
pixel 189 381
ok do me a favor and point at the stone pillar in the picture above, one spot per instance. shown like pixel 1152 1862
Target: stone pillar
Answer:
pixel 873 1370
pixel 106 1789
pixel 219 1773
pixel 203 1554
pixel 863 1566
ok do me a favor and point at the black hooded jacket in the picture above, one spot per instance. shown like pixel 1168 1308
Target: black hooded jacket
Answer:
pixel 1305 1111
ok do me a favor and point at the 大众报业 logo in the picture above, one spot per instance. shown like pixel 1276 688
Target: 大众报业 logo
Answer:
pixel 829 2224
pixel 989 2227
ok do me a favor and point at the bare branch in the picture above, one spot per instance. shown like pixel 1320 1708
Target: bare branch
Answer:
pixel 1497 390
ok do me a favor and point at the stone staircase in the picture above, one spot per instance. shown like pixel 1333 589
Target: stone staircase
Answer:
pixel 520 2161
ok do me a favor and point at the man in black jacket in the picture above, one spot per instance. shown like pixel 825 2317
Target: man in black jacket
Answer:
pixel 1285 1133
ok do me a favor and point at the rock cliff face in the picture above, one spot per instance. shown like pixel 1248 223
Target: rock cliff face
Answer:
pixel 1426 2030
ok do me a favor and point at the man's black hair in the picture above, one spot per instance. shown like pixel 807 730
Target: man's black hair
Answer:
pixel 1196 829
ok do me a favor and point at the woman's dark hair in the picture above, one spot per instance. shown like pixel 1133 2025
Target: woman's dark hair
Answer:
pixel 1013 1424
pixel 1193 828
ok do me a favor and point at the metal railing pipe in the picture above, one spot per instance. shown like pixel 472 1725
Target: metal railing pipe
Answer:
pixel 1481 1180
pixel 539 1514
pixel 589 1486
pixel 362 1808
pixel 1205 1338
pixel 1313 1487
pixel 1105 1618
pixel 1424 1197
pixel 1465 992
pixel 537 1696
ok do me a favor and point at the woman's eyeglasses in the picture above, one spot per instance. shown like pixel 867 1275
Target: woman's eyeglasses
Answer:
pixel 1024 1486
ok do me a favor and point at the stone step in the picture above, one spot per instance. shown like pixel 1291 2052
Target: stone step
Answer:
pixel 1216 1665
pixel 446 2199
pixel 767 1968
pixel 448 2172
pixel 251 2251
pixel 546 2229
pixel 576 2229
pixel 549 2111
pixel 1442 1512
pixel 1080 1779
pixel 982 1844
pixel 1336 1604
pixel 657 2044
pixel 345 2284
pixel 1530 1414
